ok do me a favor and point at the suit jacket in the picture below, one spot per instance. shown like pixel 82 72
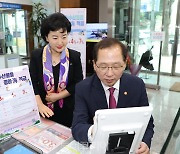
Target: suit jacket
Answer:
pixel 90 96
pixel 74 76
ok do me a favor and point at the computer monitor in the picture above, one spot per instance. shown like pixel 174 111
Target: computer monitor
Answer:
pixel 119 130
pixel 96 31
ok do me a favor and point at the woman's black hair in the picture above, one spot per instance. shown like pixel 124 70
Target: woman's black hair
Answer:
pixel 54 22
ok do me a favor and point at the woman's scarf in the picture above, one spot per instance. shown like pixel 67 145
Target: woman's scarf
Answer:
pixel 48 73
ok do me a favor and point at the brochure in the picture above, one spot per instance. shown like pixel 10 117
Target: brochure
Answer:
pixel 47 136
pixel 18 108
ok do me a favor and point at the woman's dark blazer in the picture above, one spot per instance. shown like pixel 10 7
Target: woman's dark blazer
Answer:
pixel 74 75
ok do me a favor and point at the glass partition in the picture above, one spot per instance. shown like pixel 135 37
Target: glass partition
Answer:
pixel 12 31
pixel 177 70
pixel 146 27
pixel 2 35
pixel 20 33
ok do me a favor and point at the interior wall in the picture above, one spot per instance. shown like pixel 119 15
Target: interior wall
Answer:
pixel 69 3
pixel 103 13
pixel 106 14
pixel 92 7
pixel 92 10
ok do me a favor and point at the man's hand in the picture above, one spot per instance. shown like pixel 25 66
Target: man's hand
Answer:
pixel 143 149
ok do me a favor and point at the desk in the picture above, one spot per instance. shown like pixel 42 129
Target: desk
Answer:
pixel 172 143
pixel 33 135
pixel 74 148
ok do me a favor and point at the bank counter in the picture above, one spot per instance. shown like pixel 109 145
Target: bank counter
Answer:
pixel 49 137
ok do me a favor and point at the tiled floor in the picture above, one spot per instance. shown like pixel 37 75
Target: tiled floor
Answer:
pixel 165 106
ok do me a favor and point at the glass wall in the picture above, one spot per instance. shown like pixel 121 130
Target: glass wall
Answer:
pixel 20 32
pixel 2 35
pixel 12 31
pixel 177 68
pixel 148 28
pixel 176 42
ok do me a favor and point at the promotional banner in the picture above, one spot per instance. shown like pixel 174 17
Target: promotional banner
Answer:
pixel 18 108
pixel 77 37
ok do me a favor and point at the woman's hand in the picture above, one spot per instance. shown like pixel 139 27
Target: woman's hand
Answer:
pixel 43 109
pixel 52 97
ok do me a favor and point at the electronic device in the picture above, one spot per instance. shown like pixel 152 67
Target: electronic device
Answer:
pixel 119 130
pixel 11 145
pixel 96 31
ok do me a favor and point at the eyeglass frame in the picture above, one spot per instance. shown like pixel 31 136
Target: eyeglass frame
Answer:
pixel 108 67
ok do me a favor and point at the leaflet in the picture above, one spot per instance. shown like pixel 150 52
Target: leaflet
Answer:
pixel 47 136
pixel 18 108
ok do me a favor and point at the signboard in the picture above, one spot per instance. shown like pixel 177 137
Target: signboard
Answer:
pixel 2 35
pixel 77 37
pixel 18 107
pixel 10 5
pixel 148 6
pixel 157 36
pixel 16 34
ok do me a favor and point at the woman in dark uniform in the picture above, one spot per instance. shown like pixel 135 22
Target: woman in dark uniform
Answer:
pixel 55 70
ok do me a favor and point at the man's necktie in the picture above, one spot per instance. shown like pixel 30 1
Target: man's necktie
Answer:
pixel 112 101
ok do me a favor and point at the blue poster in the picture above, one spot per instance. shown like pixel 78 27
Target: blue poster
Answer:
pixel 10 5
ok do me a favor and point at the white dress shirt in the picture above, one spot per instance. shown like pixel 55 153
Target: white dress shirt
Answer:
pixel 116 91
pixel 107 93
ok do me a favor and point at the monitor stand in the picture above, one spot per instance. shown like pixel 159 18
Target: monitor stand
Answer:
pixel 120 143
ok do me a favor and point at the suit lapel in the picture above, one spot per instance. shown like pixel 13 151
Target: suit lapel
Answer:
pixel 99 94
pixel 100 97
pixel 122 92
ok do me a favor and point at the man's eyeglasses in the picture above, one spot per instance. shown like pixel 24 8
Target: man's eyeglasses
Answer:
pixel 106 68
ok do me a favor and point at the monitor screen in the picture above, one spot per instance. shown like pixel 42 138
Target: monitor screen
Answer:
pixel 96 31
pixel 121 128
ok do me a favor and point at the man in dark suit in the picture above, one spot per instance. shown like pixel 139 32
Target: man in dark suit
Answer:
pixel 109 62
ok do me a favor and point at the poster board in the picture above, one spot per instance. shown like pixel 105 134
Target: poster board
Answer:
pixel 95 32
pixel 18 108
pixel 77 37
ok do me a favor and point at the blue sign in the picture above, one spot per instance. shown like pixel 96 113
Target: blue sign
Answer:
pixel 10 5
pixel 144 7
